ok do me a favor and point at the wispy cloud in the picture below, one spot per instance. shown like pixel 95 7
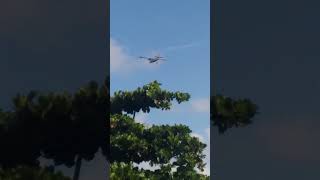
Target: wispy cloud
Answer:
pixel 141 117
pixel 201 105
pixel 207 131
pixel 146 165
pixel 181 46
pixel 200 137
pixel 205 138
pixel 121 62
pixel 207 151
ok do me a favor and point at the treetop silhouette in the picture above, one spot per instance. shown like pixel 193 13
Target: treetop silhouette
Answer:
pixel 227 113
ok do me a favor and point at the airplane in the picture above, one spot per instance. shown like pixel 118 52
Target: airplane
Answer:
pixel 153 59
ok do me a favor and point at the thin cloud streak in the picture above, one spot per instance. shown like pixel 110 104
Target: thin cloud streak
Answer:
pixel 182 46
pixel 205 139
pixel 201 105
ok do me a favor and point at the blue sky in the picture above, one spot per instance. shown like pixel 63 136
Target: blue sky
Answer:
pixel 181 33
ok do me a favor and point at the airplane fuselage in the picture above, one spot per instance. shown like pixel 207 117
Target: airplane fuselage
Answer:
pixel 153 60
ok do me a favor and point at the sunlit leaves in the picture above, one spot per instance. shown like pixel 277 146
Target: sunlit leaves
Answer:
pixel 62 126
pixel 163 145
pixel 145 98
pixel 132 141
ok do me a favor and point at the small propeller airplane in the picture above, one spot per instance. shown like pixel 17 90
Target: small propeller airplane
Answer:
pixel 154 59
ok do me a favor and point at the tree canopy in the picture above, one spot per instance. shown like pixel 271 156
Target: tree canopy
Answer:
pixel 31 173
pixel 59 126
pixel 145 98
pixel 64 127
pixel 68 127
pixel 169 147
pixel 227 112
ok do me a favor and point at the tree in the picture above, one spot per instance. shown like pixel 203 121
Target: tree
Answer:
pixel 227 113
pixel 70 127
pixel 81 120
pixel 20 136
pixel 31 173
pixel 60 126
pixel 166 146
pixel 126 171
